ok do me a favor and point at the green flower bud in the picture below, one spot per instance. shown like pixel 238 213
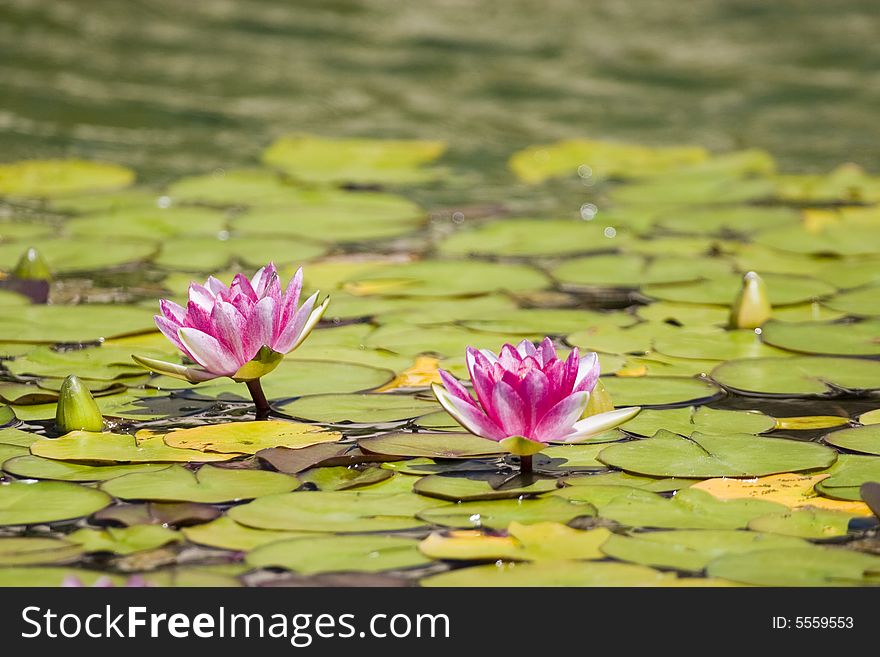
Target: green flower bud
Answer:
pixel 752 307
pixel 32 267
pixel 77 410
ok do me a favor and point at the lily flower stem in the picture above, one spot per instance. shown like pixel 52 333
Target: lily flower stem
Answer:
pixel 525 464
pixel 259 397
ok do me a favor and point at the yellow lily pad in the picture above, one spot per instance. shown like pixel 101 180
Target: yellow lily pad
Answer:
pixel 249 437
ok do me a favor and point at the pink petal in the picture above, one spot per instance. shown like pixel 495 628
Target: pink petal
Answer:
pixel 527 348
pixel 557 423
pixel 470 417
pixel 509 357
pixel 455 388
pixel 547 351
pixel 216 286
pixel 263 278
pixel 287 308
pixel 242 285
pixel 596 424
pixel 258 327
pixel 201 296
pixel 588 372
pixel 172 311
pixel 169 329
pixel 208 352
pixel 229 329
pixel 510 410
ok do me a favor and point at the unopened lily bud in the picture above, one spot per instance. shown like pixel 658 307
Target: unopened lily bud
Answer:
pixel 752 307
pixel 600 401
pixel 32 267
pixel 77 410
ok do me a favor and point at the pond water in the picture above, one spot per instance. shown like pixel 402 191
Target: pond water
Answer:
pixel 451 177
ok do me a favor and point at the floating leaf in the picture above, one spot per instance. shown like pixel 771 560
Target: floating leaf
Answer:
pixel 327 554
pixel 652 484
pixel 552 573
pixel 226 534
pixel 693 549
pixel 118 448
pixel 709 344
pixel 806 522
pixel 35 467
pixel 532 237
pixel 344 478
pixel 806 566
pixel 249 437
pixel 210 485
pixel 468 488
pixel 688 509
pixel 864 302
pixel 793 490
pixel 360 161
pixel 782 289
pixel 799 376
pixel 859 439
pixel 53 178
pixel 810 422
pixel 832 338
pixel 685 421
pixel 211 254
pixel 500 513
pixel 848 474
pixel 659 390
pixel 28 550
pixel 431 445
pixel 333 511
pixel 83 323
pixel 633 271
pixel 125 540
pixel 705 456
pixel 362 409
pixel 31 503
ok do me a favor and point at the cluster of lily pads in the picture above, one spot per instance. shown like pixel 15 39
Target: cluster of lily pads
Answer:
pixel 751 461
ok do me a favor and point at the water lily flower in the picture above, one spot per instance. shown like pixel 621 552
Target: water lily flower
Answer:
pixel 526 397
pixel 242 331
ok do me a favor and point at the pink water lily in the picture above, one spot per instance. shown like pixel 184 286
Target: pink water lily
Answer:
pixel 241 331
pixel 527 397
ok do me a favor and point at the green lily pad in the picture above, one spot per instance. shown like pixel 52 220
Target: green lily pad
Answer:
pixel 431 445
pixel 804 523
pixel 498 514
pixel 837 238
pixel 782 289
pixel 124 540
pixel 249 437
pixel 333 511
pixel 76 255
pixel 575 456
pixel 473 487
pixel 532 237
pixel 740 219
pixel 35 467
pixel 832 338
pixel 806 566
pixel 659 390
pixel 344 478
pixel 83 323
pixel 359 409
pixel 653 484
pixel 53 178
pixel 633 271
pixel 688 509
pixel 598 160
pixel 705 456
pixel 54 576
pixel 847 183
pixel 362 161
pixel 13 436
pixel 686 314
pixel 544 321
pixel 708 344
pixel 329 215
pixel 691 550
pixel 234 187
pixel 857 439
pixel 112 448
pixel 24 503
pixel 798 376
pixel 327 554
pixel 210 485
pixel 97 363
pixel 31 550
pixel 202 254
pixel 149 224
pixel 551 573
pixel 685 421
pixel 226 534
pixel 9 452
pixel 864 302
pixel 848 474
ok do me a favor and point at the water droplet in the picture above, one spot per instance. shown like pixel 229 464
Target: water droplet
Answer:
pixel 585 171
pixel 163 202
pixel 758 331
pixel 223 235
pixel 588 211
pixel 476 519
pixel 457 217
pixel 373 555
pixel 610 232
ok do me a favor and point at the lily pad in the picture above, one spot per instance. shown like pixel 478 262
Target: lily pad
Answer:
pixel 113 448
pixel 35 467
pixel 552 573
pixel 345 478
pixel 124 540
pixel 865 440
pixel 500 513
pixel 469 488
pixel 226 534
pixel 203 254
pixel 210 485
pixel 633 271
pixel 23 503
pixel 77 255
pixel 82 323
pixel 781 289
pixel 705 456
pixel 660 390
pixel 362 161
pixel 832 338
pixel 806 566
pixel 54 178
pixel 431 445
pixel 798 376
pixel 334 511
pixel 31 550
pixel 249 437
pixel 692 549
pixel 326 554
pixel 864 302
pixel 359 409
pixel 848 474
pixel 685 421
pixel 804 523
pixel 707 344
